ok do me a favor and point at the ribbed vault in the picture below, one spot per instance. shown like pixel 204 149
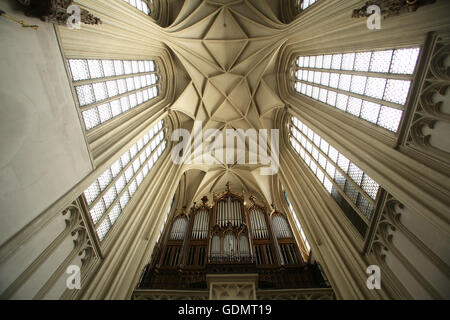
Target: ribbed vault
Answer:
pixel 229 49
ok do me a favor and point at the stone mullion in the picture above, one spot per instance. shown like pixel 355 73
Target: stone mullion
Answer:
pixel 350 94
pixel 71 223
pixel 128 93
pixel 80 242
pixel 395 76
pixel 387 241
pixel 394 219
pixel 104 79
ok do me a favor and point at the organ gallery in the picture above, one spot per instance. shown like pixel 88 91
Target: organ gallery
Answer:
pixel 224 238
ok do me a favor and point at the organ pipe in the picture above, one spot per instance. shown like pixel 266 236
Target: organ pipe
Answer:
pixel 281 227
pixel 200 228
pixel 258 224
pixel 178 229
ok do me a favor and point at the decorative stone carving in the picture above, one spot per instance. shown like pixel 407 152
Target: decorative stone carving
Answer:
pixel 55 11
pixel 232 291
pixel 169 295
pixel 430 122
pixel 386 227
pixel 82 242
pixel 391 8
pixel 296 294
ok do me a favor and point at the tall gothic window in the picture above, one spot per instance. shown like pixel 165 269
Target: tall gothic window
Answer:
pixel 107 88
pixel 302 233
pixel 304 4
pixel 354 191
pixel 165 218
pixel 372 85
pixel 108 196
pixel 140 5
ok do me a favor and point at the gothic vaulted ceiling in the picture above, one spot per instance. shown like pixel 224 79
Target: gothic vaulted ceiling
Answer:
pixel 229 49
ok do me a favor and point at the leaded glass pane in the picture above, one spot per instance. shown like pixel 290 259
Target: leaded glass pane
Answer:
pixel 381 61
pixel 370 186
pixel 397 91
pixel 390 118
pixel 404 60
pixel 79 69
pixel 114 213
pixel 95 69
pixel 91 118
pixel 85 94
pixel 370 111
pixel 362 61
pixel 108 68
pixel 104 111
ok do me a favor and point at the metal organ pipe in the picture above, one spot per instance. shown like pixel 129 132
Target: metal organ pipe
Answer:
pixel 234 213
pixel 178 229
pixel 244 247
pixel 200 228
pixel 281 227
pixel 259 223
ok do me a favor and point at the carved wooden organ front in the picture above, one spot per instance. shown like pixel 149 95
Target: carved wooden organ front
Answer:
pixel 226 236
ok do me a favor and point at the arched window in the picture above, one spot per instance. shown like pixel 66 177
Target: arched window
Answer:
pixel 108 196
pixel 108 88
pixel 258 222
pixel 302 233
pixel 141 5
pixel 305 3
pixel 281 227
pixel 244 246
pixel 372 85
pixel 201 224
pixel 179 227
pixel 353 190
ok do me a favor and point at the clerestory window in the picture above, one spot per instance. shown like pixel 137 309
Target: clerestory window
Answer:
pixel 354 191
pixel 108 196
pixel 372 85
pixel 107 88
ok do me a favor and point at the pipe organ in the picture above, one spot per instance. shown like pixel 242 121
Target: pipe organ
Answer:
pixel 281 227
pixel 178 229
pixel 201 224
pixel 228 236
pixel 229 211
pixel 258 222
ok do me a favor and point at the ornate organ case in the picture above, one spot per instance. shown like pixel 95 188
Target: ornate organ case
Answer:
pixel 228 237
